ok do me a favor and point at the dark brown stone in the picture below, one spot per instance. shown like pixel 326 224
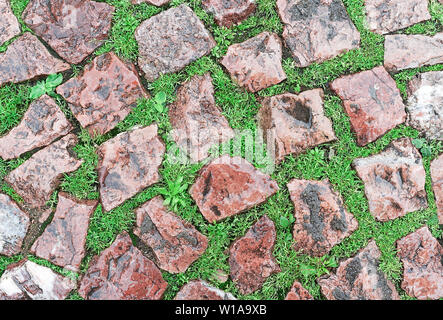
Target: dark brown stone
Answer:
pixel 372 101
pixel 200 290
pixel 37 178
pixel 121 272
pixel 229 12
pixel 63 241
pixel 297 122
pixel 175 242
pixel 171 40
pixel 197 122
pixel 27 58
pixel 256 63
pixel 359 278
pixel 422 258
pixel 437 185
pixel 9 25
pixel 297 292
pixel 14 224
pixel 73 28
pixel 317 30
pixel 41 124
pixel 104 93
pixel 251 258
pixel 129 163
pixel 394 180
pixel 228 186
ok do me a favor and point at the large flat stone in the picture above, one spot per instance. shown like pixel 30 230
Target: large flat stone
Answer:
pixel 27 58
pixel 297 292
pixel 296 122
pixel 171 40
pixel 128 163
pixel 121 272
pixel 322 221
pixel 197 121
pixel 228 186
pixel 73 28
pixel 437 185
pixel 201 290
pixel 104 93
pixel 42 123
pixel 372 101
pixel 229 12
pixel 316 30
pixel 422 258
pixel 256 63
pixel 394 180
pixel 9 25
pixel 37 178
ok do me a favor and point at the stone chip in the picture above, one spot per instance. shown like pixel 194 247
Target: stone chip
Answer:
pixel 229 12
pixel 297 292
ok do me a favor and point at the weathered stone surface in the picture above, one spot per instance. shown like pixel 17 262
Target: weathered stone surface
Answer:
pixel 256 63
pixel 372 101
pixel 73 28
pixel 251 260
pixel 9 26
pixel 157 3
pixel 175 242
pixel 14 224
pixel 201 290
pixel 30 281
pixel 437 185
pixel 197 122
pixel 128 163
pixel 27 58
pixel 171 40
pixel 359 278
pixel 394 180
pixel 297 122
pixel 63 241
pixel 422 257
pixel 229 12
pixel 104 93
pixel 297 292
pixel 425 104
pixel 322 221
pixel 385 17
pixel 412 51
pixel 121 272
pixel 228 186
pixel 41 124
pixel 317 30
pixel 37 178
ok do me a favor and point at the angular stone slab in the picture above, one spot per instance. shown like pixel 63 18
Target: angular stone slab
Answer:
pixel 27 280
pixel 412 51
pixel 74 29
pixel 104 93
pixel 230 185
pixel 201 290
pixel 322 220
pixel 425 104
pixel 297 122
pixel 394 180
pixel 128 163
pixel 157 3
pixel 297 292
pixel 63 241
pixel 37 178
pixel 27 58
pixel 42 123
pixel 317 30
pixel 121 272
pixel 256 63
pixel 14 224
pixel 9 25
pixel 422 256
pixel 229 12
pixel 385 17
pixel 437 185
pixel 171 40
pixel 359 278
pixel 372 101
pixel 175 242
pixel 197 121
pixel 250 257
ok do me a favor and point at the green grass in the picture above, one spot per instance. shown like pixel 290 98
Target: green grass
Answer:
pixel 332 161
